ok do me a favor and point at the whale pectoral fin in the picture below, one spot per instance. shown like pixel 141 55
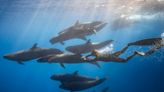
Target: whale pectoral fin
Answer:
pixel 97 64
pixel 62 65
pixel 20 62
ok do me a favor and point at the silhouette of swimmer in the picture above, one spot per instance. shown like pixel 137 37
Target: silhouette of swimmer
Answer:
pixel 114 57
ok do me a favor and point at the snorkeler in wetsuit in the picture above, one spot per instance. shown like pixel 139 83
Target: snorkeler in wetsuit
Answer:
pixel 114 57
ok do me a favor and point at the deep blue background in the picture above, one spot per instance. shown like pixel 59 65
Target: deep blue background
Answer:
pixel 22 26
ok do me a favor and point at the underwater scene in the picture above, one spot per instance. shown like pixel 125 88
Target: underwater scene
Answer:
pixel 81 45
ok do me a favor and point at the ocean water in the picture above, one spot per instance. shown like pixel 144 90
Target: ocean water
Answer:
pixel 25 22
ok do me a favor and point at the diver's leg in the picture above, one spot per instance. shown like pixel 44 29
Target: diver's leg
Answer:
pixel 121 51
pixel 151 51
pixel 131 56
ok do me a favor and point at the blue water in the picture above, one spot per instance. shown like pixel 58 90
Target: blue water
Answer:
pixel 23 23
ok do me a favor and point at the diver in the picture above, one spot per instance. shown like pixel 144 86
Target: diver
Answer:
pixel 107 57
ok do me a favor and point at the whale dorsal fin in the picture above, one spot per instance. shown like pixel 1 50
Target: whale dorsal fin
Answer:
pixel 77 23
pixel 76 73
pixel 34 46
